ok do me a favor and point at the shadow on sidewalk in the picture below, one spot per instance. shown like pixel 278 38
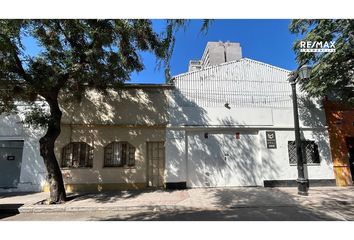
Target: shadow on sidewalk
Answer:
pixel 251 196
pixel 245 204
pixel 114 196
pixel 213 204
pixel 14 194
pixel 8 210
pixel 293 213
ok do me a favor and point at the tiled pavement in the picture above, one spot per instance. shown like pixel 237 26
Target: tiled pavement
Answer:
pixel 210 199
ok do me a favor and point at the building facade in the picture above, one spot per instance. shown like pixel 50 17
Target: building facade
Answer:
pixel 232 125
pixel 216 53
pixel 340 121
pixel 21 166
pixel 111 141
pixel 227 123
pixel 114 141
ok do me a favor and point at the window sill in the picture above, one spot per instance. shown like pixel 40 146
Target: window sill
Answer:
pixel 309 165
pixel 120 167
pixel 70 168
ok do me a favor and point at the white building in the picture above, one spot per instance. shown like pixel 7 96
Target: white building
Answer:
pixel 217 53
pixel 229 124
pixel 21 166
pixel 219 119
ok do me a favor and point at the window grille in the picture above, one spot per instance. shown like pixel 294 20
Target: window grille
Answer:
pixel 77 154
pixel 119 154
pixel 310 153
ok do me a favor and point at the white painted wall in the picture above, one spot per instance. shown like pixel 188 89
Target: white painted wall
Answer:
pixel 272 164
pixel 259 98
pixel 33 172
pixel 221 116
pixel 176 169
pixel 275 162
pixel 223 160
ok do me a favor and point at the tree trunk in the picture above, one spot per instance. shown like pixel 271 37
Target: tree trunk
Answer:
pixel 54 177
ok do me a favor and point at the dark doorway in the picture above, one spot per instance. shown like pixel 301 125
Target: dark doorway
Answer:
pixel 350 145
pixel 10 162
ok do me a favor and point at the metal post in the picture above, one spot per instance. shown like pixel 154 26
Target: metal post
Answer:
pixel 302 182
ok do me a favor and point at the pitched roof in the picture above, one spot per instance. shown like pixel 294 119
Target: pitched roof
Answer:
pixel 227 64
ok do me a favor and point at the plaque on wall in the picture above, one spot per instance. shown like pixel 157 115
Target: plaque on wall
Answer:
pixel 271 139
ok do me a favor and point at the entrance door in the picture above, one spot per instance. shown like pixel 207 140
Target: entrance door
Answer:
pixel 350 145
pixel 10 163
pixel 220 159
pixel 156 164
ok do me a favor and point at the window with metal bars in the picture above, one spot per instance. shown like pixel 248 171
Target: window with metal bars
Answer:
pixel 77 155
pixel 310 153
pixel 119 154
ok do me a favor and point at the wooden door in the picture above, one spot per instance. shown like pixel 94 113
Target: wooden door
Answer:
pixel 156 164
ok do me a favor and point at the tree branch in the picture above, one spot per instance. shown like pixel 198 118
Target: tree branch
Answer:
pixel 19 67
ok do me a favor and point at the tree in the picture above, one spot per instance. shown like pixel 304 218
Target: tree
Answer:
pixel 333 72
pixel 75 55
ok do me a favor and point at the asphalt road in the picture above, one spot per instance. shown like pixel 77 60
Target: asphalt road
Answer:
pixel 281 213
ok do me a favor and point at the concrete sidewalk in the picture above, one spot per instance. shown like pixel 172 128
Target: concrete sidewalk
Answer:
pixel 190 199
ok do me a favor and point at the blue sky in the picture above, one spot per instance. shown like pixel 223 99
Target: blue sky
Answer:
pixel 264 40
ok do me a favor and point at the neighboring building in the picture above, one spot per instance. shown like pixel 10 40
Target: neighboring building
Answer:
pixel 114 141
pixel 216 53
pixel 194 65
pixel 21 166
pixel 110 141
pixel 340 120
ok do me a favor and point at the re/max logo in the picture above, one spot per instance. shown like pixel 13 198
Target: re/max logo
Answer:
pixel 317 46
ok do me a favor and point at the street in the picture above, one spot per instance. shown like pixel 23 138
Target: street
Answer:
pixel 277 213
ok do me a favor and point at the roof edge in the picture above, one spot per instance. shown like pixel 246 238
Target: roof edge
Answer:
pixel 232 62
pixel 147 85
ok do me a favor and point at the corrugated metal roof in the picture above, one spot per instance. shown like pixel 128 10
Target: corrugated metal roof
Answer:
pixel 241 83
pixel 230 63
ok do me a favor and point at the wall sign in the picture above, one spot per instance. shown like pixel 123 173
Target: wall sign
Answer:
pixel 237 135
pixel 271 140
pixel 10 158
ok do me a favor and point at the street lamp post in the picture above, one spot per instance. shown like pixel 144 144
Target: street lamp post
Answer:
pixel 300 74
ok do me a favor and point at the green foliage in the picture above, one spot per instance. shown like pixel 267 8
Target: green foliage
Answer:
pixel 333 73
pixel 35 116
pixel 75 55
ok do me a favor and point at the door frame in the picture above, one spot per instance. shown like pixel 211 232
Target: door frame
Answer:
pixel 17 177
pixel 223 131
pixel 351 167
pixel 148 160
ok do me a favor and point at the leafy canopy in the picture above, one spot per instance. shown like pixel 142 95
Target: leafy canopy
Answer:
pixel 333 72
pixel 74 55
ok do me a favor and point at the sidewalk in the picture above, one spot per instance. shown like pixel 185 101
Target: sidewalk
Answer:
pixel 189 199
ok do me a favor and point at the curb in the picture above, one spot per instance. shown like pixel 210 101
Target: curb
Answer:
pixel 30 208
pixel 56 208
pixel 53 209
